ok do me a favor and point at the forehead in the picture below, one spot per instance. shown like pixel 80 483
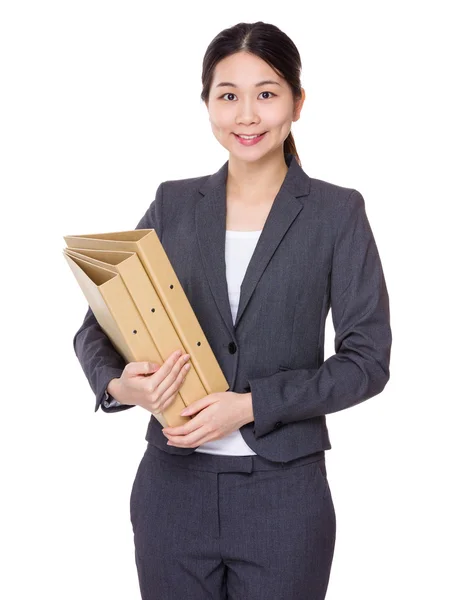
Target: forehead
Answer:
pixel 244 70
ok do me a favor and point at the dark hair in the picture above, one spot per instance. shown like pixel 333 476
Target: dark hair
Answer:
pixel 269 43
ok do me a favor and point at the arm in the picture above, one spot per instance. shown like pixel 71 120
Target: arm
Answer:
pixel 98 357
pixel 360 313
pixel 108 400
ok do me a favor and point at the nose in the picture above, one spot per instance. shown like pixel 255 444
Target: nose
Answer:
pixel 246 113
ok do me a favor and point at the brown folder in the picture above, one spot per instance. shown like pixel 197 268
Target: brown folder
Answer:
pixel 118 316
pixel 120 253
pixel 154 315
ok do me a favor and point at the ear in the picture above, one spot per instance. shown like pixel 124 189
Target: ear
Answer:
pixel 298 105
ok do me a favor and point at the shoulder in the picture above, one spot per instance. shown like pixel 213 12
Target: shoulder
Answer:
pixel 178 198
pixel 330 191
pixel 333 200
pixel 179 187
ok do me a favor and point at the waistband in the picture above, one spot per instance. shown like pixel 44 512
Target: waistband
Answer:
pixel 216 463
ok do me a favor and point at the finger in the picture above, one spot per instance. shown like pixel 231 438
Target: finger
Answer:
pixel 198 405
pixel 186 429
pixel 183 443
pixel 191 440
pixel 166 396
pixel 172 381
pixel 178 430
pixel 167 400
pixel 141 368
pixel 171 366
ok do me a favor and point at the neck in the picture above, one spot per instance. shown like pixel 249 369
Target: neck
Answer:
pixel 256 179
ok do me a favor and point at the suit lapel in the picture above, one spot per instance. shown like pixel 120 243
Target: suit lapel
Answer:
pixel 210 220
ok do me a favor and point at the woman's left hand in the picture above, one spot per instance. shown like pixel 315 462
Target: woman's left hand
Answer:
pixel 219 414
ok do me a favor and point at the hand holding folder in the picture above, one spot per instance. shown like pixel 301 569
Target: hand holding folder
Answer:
pixel 141 306
pixel 153 386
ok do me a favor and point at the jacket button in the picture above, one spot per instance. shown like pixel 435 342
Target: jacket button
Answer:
pixel 278 424
pixel 232 348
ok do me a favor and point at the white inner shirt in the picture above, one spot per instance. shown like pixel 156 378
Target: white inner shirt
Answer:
pixel 240 246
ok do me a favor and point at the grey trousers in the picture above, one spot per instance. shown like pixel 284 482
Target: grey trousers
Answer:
pixel 210 527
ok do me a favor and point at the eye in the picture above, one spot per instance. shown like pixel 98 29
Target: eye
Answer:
pixel 231 94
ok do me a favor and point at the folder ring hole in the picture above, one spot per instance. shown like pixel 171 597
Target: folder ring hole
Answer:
pixel 171 286
pixel 199 343
pixel 134 331
pixel 152 310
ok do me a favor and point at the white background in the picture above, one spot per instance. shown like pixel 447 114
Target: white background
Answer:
pixel 100 102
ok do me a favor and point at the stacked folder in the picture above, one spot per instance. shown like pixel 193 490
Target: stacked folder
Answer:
pixel 138 301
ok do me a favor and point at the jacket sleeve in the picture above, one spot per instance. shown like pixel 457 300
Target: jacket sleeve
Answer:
pixel 98 358
pixel 359 369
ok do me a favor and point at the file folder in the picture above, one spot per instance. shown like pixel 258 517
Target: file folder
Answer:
pixel 135 261
pixel 151 309
pixel 121 322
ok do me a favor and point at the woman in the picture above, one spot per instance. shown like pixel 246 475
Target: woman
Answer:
pixel 236 502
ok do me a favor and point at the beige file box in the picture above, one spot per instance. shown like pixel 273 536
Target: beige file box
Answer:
pixel 118 316
pixel 147 247
pixel 154 315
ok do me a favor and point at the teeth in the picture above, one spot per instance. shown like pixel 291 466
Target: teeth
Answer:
pixel 249 137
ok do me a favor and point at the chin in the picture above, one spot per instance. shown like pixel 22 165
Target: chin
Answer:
pixel 248 157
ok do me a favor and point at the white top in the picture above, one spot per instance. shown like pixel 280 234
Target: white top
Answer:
pixel 240 246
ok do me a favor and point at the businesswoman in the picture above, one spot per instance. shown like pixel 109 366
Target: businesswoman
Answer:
pixel 235 503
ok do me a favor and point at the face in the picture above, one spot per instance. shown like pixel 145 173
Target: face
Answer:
pixel 241 106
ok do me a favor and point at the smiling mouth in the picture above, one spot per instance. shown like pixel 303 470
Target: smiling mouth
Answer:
pixel 250 137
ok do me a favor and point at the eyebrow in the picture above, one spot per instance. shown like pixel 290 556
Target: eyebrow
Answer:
pixel 229 84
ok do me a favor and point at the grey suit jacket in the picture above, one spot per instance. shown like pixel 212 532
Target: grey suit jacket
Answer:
pixel 316 252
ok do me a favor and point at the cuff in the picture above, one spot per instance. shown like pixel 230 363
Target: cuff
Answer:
pixel 266 417
pixel 109 374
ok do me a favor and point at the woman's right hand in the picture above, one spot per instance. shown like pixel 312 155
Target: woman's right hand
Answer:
pixel 150 385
